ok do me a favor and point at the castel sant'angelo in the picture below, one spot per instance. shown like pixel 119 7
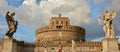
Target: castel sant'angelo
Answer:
pixel 58 36
pixel 60 29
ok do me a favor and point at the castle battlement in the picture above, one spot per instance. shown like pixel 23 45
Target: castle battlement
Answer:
pixel 69 43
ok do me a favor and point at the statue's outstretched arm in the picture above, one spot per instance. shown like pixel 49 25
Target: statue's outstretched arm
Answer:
pixel 102 18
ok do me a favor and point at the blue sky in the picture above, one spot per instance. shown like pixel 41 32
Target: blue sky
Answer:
pixel 32 14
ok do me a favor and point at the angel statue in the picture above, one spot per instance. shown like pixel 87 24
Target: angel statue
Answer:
pixel 108 25
pixel 12 25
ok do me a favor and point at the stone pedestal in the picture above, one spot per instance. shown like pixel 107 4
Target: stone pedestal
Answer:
pixel 110 45
pixel 9 45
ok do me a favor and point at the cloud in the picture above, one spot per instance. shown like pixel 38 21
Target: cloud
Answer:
pixel 3 27
pixel 4 7
pixel 101 1
pixel 112 5
pixel 118 25
pixel 30 13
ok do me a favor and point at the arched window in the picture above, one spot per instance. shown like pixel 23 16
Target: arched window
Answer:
pixel 59 26
pixel 66 23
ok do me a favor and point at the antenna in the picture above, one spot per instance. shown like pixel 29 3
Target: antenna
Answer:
pixel 59 12
pixel 60 15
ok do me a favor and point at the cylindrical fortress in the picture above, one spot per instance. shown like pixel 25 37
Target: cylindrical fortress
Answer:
pixel 60 29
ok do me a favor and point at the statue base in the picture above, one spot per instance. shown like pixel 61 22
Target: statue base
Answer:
pixel 6 37
pixel 110 45
pixel 9 45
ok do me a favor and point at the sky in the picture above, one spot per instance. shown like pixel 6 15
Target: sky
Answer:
pixel 33 14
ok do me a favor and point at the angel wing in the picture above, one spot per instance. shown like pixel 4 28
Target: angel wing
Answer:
pixel 113 14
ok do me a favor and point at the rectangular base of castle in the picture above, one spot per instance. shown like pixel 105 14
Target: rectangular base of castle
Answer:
pixel 110 45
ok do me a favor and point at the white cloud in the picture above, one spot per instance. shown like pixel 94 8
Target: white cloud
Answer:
pixel 31 13
pixel 29 2
pixel 3 27
pixel 4 7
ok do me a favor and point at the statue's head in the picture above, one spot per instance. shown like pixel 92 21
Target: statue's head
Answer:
pixel 105 11
pixel 7 11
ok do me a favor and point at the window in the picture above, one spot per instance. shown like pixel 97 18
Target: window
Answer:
pixel 66 22
pixel 61 22
pixel 59 26
pixel 52 23
pixel 56 22
pixel 91 47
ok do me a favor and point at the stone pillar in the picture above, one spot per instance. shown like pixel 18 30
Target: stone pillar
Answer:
pixel 110 45
pixel 10 45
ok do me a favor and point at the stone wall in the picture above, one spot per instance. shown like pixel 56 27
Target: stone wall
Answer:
pixel 1 45
pixel 56 45
pixel 25 46
pixel 67 47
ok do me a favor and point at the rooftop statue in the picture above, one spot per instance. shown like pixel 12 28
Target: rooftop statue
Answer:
pixel 12 25
pixel 108 25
